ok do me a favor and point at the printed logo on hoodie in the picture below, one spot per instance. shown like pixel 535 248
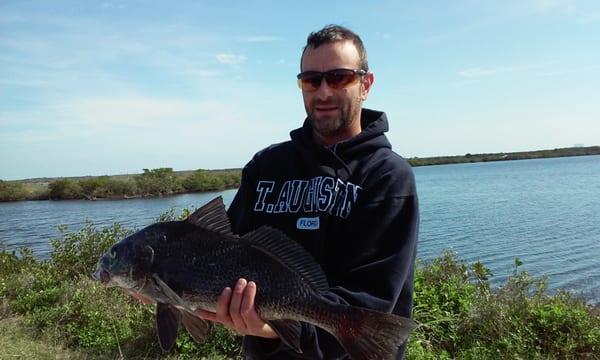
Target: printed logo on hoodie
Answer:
pixel 317 195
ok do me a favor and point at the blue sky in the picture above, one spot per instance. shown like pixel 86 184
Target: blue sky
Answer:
pixel 109 87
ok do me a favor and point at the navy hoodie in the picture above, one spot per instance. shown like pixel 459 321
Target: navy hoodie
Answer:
pixel 353 206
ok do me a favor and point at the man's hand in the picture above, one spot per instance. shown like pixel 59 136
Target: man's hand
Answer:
pixel 235 310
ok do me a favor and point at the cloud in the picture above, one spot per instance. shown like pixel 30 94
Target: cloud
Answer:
pixel 231 59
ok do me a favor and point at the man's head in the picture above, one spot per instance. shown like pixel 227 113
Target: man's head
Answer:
pixel 333 99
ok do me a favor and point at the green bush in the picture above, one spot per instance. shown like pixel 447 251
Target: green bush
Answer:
pixel 65 189
pixel 77 253
pixel 204 180
pixel 463 318
pixel 106 187
pixel 12 190
pixel 161 181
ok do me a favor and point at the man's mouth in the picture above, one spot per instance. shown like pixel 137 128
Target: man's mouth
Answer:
pixel 326 108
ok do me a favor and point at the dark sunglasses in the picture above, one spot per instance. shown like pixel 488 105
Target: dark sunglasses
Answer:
pixel 336 78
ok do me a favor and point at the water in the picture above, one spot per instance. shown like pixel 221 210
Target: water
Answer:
pixel 33 223
pixel 546 212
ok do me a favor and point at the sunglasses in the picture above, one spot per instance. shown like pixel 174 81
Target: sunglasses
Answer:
pixel 336 78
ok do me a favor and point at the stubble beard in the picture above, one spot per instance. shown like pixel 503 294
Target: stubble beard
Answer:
pixel 331 126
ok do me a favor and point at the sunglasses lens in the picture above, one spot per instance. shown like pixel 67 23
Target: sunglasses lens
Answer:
pixel 310 80
pixel 338 79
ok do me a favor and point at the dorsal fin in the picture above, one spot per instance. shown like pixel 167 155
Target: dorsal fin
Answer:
pixel 212 216
pixel 289 253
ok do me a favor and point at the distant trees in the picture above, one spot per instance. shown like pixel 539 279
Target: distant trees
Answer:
pixel 161 181
pixel 12 190
pixel 65 189
pixel 152 182
pixel 106 187
pixel 203 180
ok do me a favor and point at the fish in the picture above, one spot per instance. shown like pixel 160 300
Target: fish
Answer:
pixel 183 266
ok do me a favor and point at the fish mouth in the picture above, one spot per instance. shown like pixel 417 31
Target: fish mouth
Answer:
pixel 102 275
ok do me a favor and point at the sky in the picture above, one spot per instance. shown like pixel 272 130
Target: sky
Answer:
pixel 112 87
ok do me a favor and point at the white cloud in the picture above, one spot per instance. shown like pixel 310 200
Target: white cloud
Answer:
pixel 231 59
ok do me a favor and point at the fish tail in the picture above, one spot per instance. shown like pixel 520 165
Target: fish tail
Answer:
pixel 368 334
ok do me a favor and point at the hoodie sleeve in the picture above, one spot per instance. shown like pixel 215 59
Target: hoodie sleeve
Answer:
pixel 371 263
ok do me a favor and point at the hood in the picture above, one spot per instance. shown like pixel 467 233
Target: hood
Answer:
pixel 345 154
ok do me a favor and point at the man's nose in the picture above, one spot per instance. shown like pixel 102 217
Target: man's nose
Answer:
pixel 323 92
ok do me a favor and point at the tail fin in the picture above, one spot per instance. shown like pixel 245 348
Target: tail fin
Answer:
pixel 370 334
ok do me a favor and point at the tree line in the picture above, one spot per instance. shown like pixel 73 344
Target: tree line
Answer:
pixel 152 182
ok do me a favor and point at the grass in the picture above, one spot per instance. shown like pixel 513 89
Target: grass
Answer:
pixel 16 342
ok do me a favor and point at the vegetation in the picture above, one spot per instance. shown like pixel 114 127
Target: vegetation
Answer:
pixel 19 190
pixel 52 307
pixel 165 181
pixel 471 158
pixel 152 182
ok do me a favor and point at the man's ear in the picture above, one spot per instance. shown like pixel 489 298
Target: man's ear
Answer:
pixel 367 82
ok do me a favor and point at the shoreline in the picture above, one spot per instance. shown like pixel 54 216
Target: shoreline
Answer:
pixel 39 187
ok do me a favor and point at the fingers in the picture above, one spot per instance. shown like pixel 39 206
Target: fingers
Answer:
pixel 222 314
pixel 247 310
pixel 239 293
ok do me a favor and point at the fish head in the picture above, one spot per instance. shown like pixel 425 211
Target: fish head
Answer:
pixel 129 262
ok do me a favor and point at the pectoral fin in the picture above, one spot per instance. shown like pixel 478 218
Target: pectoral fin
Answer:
pixel 197 328
pixel 168 319
pixel 173 298
pixel 289 332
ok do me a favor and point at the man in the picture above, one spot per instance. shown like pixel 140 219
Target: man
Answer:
pixel 339 190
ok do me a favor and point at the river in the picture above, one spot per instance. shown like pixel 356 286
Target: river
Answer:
pixel 546 212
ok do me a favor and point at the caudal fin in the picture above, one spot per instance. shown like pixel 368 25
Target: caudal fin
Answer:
pixel 373 335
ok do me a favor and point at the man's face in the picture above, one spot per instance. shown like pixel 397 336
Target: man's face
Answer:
pixel 334 113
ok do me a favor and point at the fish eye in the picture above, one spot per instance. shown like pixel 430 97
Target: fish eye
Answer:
pixel 112 252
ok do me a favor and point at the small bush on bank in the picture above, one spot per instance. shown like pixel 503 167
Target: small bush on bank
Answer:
pixel 12 190
pixel 107 187
pixel 65 189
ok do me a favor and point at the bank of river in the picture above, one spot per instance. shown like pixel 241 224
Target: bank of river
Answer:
pixel 166 182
